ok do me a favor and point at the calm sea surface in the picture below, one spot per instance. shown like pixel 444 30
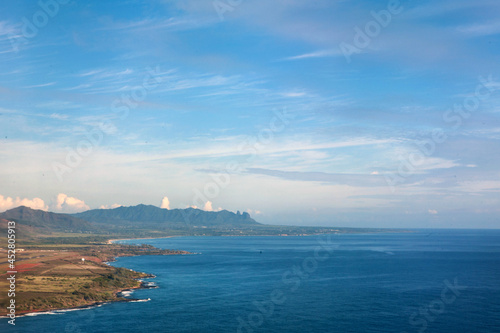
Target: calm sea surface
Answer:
pixel 427 281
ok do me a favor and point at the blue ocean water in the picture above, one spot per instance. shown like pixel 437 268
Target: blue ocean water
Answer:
pixel 426 281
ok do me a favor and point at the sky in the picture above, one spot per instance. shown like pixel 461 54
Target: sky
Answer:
pixel 325 113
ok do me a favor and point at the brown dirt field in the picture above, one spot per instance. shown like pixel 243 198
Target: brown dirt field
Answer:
pixel 44 274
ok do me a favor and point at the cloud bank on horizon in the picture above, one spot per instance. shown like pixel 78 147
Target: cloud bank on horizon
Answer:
pixel 315 113
pixel 61 204
pixel 69 205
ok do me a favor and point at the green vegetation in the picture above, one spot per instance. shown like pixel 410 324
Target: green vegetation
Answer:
pixel 142 221
pixel 54 276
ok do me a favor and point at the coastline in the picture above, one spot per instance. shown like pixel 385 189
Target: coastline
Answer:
pixel 116 293
pixel 121 299
pixel 83 306
pixel 101 272
pixel 112 241
pixel 63 310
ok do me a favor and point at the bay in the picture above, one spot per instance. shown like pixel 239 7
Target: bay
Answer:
pixel 423 281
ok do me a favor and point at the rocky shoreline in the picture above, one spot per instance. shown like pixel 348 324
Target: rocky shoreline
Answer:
pixel 95 288
pixel 122 294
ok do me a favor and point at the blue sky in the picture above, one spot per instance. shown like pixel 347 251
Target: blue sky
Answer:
pixel 339 113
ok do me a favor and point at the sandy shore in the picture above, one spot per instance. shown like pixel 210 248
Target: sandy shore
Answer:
pixel 110 241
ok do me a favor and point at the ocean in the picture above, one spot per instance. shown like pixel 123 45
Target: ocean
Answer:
pixel 423 281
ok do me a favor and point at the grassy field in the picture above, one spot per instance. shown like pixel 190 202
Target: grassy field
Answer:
pixel 54 276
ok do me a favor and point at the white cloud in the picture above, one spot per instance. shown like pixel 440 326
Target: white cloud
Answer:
pixel 7 203
pixel 165 203
pixel 432 211
pixel 431 163
pixel 294 94
pixel 59 116
pixel 208 206
pixel 110 206
pixel 257 212
pixel 66 204
pixel 220 150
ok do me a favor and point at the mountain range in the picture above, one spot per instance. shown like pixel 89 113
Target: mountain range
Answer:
pixel 140 221
pixel 143 221
pixel 44 222
pixel 152 215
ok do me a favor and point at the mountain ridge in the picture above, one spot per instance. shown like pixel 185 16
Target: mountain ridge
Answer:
pixel 146 221
pixel 150 214
pixel 44 221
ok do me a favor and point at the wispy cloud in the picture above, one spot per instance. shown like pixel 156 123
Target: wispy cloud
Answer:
pixel 217 150
pixel 295 94
pixel 481 29
pixel 221 82
pixel 59 116
pixel 433 9
pixel 156 24
pixel 40 85
pixel 357 180
pixel 7 33
pixel 480 186
pixel 317 54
